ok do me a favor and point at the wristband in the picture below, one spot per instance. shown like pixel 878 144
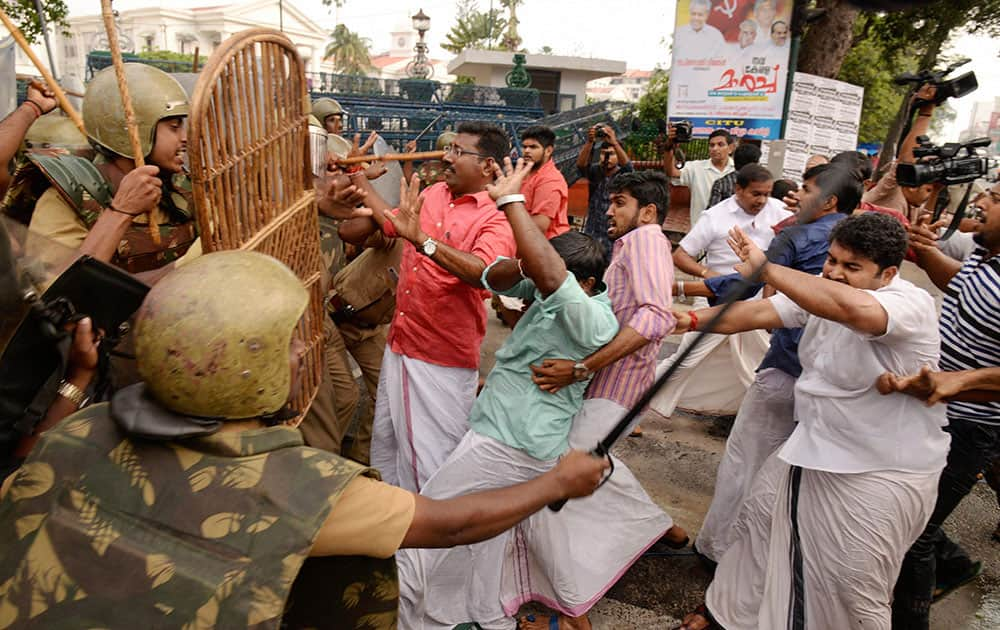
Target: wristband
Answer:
pixel 694 321
pixel 680 290
pixel 112 208
pixel 520 269
pixel 38 109
pixel 506 199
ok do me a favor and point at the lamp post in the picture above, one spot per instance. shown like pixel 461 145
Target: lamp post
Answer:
pixel 420 67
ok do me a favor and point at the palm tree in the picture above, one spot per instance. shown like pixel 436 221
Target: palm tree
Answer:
pixel 474 29
pixel 511 40
pixel 350 53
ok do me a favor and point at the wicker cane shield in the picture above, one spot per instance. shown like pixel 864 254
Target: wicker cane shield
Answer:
pixel 248 145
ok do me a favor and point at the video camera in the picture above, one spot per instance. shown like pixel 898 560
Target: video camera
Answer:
pixel 682 131
pixel 945 88
pixel 951 163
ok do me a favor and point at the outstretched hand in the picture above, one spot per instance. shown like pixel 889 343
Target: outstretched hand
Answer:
pixel 362 149
pixel 752 257
pixel 929 386
pixel 407 220
pixel 508 180
pixel 923 234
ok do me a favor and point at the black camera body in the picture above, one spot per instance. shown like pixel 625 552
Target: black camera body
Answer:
pixel 950 163
pixel 599 132
pixel 682 131
pixel 945 88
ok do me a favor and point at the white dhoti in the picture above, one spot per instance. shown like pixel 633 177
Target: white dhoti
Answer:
pixel 421 414
pixel 853 530
pixel 764 422
pixel 715 376
pixel 567 560
pixel 441 588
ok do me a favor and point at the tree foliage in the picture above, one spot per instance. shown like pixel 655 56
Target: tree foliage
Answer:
pixel 886 44
pixel 652 105
pixel 169 55
pixel 349 52
pixel 23 14
pixel 511 39
pixel 475 29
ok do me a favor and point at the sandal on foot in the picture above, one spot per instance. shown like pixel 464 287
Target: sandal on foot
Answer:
pixel 553 621
pixel 941 590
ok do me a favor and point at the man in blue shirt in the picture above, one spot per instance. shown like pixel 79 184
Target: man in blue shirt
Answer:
pixel 765 419
pixel 517 430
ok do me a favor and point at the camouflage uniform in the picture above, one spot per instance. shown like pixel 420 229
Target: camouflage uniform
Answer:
pixel 205 532
pixel 146 513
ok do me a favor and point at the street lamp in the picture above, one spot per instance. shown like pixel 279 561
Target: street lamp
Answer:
pixel 420 67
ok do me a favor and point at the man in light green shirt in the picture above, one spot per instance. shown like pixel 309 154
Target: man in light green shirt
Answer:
pixel 576 319
pixel 517 430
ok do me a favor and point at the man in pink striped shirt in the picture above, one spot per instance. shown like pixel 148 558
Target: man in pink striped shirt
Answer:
pixel 619 522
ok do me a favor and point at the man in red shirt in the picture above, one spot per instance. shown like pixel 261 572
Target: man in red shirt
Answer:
pixel 546 195
pixel 430 369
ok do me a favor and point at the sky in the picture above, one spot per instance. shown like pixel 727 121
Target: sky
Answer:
pixel 635 31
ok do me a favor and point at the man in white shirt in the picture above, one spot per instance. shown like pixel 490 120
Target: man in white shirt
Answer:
pixel 823 533
pixel 742 50
pixel 763 15
pixel 716 375
pixel 699 175
pixel 698 39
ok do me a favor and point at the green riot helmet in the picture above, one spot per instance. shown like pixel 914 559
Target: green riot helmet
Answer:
pixel 325 107
pixel 155 95
pixel 212 338
pixel 55 131
pixel 444 140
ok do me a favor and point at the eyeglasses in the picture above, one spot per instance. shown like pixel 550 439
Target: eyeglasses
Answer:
pixel 458 152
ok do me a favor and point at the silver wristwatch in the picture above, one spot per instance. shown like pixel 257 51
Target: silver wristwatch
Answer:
pixel 72 393
pixel 580 371
pixel 429 247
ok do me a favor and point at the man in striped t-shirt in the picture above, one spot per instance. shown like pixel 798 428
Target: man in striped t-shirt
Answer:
pixel 970 340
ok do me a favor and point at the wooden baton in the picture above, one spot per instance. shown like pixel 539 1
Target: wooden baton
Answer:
pixel 392 157
pixel 133 128
pixel 49 79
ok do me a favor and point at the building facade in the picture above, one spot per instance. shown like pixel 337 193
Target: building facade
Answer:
pixel 180 30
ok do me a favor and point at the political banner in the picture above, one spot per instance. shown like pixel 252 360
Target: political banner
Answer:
pixel 730 66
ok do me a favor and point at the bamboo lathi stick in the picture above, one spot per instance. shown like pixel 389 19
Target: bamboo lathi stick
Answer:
pixel 393 157
pixel 49 79
pixel 133 128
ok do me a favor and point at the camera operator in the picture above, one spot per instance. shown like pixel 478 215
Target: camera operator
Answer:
pixel 887 192
pixel 613 160
pixel 968 316
pixel 699 175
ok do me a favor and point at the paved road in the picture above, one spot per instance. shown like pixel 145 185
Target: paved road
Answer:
pixel 676 461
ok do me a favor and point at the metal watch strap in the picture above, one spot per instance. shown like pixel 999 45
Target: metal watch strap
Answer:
pixel 506 199
pixel 72 393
